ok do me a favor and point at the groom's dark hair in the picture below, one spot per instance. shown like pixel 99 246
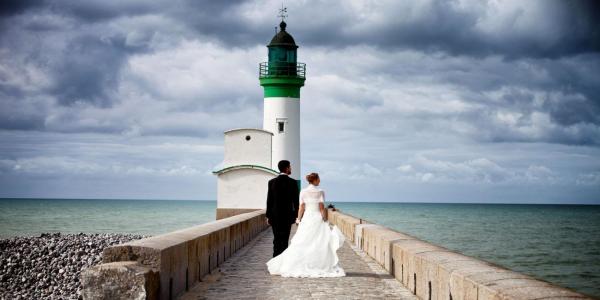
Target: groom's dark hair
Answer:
pixel 283 164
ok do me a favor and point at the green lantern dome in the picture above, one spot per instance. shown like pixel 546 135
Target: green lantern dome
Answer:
pixel 282 75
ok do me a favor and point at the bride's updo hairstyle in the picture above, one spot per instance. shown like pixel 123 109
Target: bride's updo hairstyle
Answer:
pixel 312 177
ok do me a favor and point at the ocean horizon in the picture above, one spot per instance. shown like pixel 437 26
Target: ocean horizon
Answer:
pixel 559 243
pixel 213 200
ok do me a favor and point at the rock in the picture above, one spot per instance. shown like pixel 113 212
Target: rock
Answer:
pixel 28 265
pixel 120 280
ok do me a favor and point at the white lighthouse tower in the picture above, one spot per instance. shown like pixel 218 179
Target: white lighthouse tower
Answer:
pixel 251 155
pixel 281 77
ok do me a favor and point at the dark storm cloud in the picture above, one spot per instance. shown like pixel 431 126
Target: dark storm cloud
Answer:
pixel 546 29
pixel 89 72
pixel 580 79
pixel 537 29
pixel 219 19
pixel 556 29
pixel 81 79
pixel 84 47
pixel 83 61
pixel 96 11
pixel 569 86
pixel 11 7
pixel 87 11
pixel 88 68
pixel 25 120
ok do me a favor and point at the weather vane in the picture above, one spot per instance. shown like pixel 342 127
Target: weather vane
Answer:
pixel 282 13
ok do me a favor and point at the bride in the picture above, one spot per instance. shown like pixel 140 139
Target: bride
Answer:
pixel 312 250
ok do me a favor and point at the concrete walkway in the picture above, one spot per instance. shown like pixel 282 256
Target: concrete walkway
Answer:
pixel 245 276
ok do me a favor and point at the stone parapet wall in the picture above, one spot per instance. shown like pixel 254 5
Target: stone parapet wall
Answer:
pixel 223 213
pixel 435 273
pixel 167 265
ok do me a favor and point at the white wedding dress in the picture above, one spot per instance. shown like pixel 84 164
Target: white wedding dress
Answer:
pixel 312 250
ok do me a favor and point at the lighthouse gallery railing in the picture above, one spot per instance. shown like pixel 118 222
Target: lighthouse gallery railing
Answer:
pixel 284 69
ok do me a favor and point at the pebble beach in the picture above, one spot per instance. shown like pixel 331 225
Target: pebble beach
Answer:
pixel 48 266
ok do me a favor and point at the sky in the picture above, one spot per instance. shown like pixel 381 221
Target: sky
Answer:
pixel 408 101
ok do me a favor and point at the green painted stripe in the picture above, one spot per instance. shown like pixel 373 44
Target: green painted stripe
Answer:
pixel 268 170
pixel 282 91
pixel 282 86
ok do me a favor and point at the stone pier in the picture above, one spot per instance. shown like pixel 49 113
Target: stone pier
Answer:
pixel 245 276
pixel 225 259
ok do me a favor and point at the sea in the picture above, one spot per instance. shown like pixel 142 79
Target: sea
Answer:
pixel 556 243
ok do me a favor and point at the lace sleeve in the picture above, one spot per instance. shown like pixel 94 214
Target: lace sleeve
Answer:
pixel 322 197
pixel 301 197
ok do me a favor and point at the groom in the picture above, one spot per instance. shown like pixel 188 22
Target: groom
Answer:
pixel 282 206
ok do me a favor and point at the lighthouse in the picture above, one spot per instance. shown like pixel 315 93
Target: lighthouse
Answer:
pixel 281 78
pixel 251 154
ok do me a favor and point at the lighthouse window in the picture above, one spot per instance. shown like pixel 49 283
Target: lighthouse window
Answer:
pixel 281 125
pixel 248 138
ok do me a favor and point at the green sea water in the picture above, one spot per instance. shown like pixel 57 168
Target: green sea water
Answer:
pixel 556 243
pixel 147 217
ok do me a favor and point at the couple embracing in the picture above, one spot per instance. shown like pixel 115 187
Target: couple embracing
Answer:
pixel 312 250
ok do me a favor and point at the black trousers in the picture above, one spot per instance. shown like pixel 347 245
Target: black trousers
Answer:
pixel 281 235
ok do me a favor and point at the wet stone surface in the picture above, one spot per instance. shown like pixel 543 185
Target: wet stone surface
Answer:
pixel 245 276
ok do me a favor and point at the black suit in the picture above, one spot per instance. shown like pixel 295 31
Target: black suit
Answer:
pixel 282 210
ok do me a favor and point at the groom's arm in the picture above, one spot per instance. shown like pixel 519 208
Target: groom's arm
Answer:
pixel 296 196
pixel 270 203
